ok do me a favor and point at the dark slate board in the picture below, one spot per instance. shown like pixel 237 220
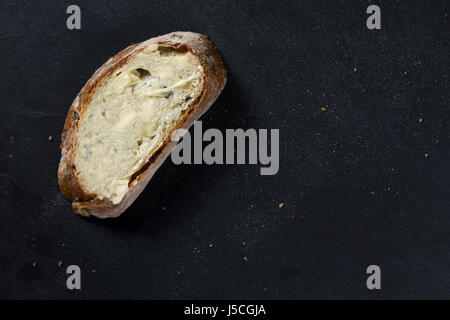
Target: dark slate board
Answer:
pixel 376 199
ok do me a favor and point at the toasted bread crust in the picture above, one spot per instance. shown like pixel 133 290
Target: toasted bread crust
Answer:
pixel 215 77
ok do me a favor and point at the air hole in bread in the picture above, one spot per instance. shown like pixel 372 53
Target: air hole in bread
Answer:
pixel 165 51
pixel 142 73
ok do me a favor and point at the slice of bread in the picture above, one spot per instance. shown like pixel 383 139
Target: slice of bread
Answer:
pixel 118 130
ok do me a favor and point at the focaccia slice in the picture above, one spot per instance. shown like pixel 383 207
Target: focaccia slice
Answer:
pixel 118 129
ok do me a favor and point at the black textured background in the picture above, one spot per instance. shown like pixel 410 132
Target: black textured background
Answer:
pixel 364 182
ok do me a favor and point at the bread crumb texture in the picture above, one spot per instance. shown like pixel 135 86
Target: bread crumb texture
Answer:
pixel 130 115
